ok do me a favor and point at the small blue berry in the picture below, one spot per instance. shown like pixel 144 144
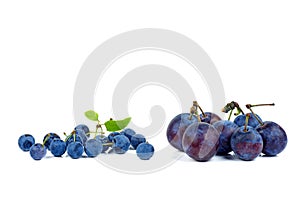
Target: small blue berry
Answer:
pixel 137 139
pixel 75 150
pixel 82 135
pixel 145 151
pixel 112 135
pixel 38 151
pixel 48 139
pixel 83 127
pixel 128 132
pixel 93 147
pixel 121 144
pixel 25 142
pixel 104 140
pixel 74 138
pixel 58 147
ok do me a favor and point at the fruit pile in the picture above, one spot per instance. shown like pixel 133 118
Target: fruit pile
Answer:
pixel 81 139
pixel 203 136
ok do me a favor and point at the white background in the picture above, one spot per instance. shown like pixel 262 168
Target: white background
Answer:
pixel 254 45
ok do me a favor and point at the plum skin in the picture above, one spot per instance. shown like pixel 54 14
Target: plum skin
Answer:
pixel 200 141
pixel 226 129
pixel 240 120
pixel 247 145
pixel 274 138
pixel 210 118
pixel 176 129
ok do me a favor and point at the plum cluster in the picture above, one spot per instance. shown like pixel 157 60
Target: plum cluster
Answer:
pixel 81 141
pixel 205 135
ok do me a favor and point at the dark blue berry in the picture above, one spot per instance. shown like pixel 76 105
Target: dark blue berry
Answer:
pixel 145 151
pixel 83 127
pixel 137 139
pixel 120 144
pixel 74 138
pixel 112 135
pixel 128 132
pixel 25 142
pixel 38 151
pixel 75 150
pixel 104 140
pixel 58 147
pixel 82 135
pixel 48 139
pixel 93 147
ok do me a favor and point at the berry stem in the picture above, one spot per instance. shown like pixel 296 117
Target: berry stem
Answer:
pixel 108 144
pixel 246 122
pixel 47 138
pixel 67 136
pixel 99 125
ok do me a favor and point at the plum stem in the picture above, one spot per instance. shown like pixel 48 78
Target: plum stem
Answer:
pixel 193 111
pixel 239 110
pixel 230 115
pixel 259 121
pixel 249 106
pixel 195 103
pixel 231 106
pixel 263 104
pixel 246 122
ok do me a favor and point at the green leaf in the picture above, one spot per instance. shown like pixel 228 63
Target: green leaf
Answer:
pixel 91 115
pixel 116 125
